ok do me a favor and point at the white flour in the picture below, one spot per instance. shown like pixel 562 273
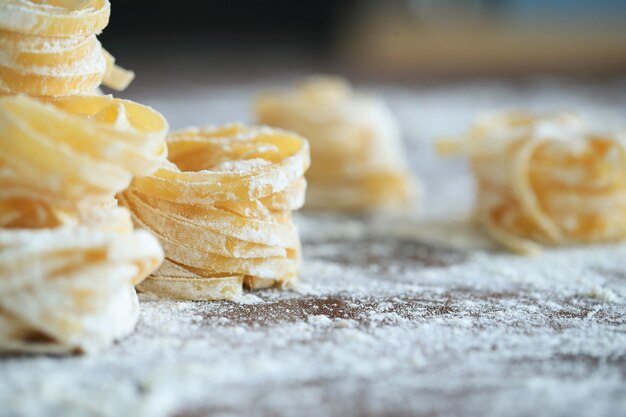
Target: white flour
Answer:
pixel 380 324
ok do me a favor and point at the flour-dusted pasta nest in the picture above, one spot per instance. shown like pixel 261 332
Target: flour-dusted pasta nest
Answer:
pixel 71 289
pixel 545 180
pixel 63 163
pixel 357 159
pixel 221 206
pixel 50 48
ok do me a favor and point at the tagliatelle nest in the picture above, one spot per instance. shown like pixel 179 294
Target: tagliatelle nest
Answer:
pixel 50 48
pixel 358 161
pixel 221 207
pixel 66 289
pixel 65 161
pixel 543 179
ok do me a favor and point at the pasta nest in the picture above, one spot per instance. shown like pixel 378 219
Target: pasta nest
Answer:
pixel 50 49
pixel 221 207
pixel 70 289
pixel 63 162
pixel 545 180
pixel 358 161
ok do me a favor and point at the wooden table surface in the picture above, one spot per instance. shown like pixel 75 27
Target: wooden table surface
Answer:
pixel 412 314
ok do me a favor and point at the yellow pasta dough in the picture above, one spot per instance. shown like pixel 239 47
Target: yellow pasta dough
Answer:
pixel 50 49
pixel 64 161
pixel 221 207
pixel 71 289
pixel 357 160
pixel 544 179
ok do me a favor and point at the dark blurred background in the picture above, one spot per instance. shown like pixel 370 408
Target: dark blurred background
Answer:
pixel 384 39
pixel 228 23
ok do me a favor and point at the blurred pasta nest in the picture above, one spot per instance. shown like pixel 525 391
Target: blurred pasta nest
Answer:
pixel 545 179
pixel 221 207
pixel 358 161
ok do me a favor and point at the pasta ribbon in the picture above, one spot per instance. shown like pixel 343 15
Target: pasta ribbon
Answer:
pixel 221 207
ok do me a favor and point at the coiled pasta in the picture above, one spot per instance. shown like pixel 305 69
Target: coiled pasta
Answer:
pixel 545 180
pixel 70 289
pixel 50 49
pixel 222 209
pixel 358 163
pixel 62 160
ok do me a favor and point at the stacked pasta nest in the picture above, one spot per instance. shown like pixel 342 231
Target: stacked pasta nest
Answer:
pixel 222 209
pixel 69 258
pixel 358 161
pixel 545 180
